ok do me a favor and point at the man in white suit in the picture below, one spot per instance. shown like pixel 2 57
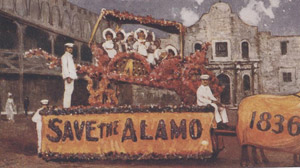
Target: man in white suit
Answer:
pixel 37 118
pixel 205 97
pixel 68 74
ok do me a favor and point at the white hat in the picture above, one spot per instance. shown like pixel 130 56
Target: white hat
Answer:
pixel 69 45
pixel 129 34
pixel 9 94
pixel 170 47
pixel 204 77
pixel 44 101
pixel 123 32
pixel 139 30
pixel 108 30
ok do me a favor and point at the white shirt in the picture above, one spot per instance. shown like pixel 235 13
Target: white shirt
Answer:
pixel 141 48
pixel 109 48
pixel 204 96
pixel 68 66
pixel 37 118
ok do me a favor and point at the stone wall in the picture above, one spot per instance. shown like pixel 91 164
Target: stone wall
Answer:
pixel 274 64
pixel 59 16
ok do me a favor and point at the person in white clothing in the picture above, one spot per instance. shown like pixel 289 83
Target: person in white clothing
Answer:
pixel 68 74
pixel 10 108
pixel 109 45
pixel 205 97
pixel 141 45
pixel 37 118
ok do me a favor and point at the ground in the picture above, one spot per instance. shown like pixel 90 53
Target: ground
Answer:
pixel 18 146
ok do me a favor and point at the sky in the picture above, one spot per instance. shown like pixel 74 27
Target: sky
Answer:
pixel 280 17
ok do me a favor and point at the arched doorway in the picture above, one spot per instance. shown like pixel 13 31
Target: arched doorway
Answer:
pixel 225 82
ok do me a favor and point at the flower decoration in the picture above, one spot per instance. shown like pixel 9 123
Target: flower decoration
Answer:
pixel 181 76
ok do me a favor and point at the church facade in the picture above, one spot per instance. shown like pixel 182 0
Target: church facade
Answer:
pixel 246 61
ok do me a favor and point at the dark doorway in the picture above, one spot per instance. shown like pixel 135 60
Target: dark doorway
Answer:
pixel 225 82
pixel 35 38
pixel 59 46
pixel 86 53
pixel 8 34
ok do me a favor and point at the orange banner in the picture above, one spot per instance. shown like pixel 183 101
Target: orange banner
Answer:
pixel 270 121
pixel 185 133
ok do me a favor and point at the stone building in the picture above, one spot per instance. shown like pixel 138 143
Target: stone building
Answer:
pixel 245 60
pixel 46 24
pixel 280 62
pixel 234 52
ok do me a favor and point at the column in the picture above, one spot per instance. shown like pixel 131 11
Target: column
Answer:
pixel 255 79
pixel 238 87
pixel 52 38
pixel 21 30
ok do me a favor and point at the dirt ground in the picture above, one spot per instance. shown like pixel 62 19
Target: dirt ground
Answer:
pixel 18 146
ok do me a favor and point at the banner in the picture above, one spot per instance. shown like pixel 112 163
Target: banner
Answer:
pixel 185 133
pixel 269 121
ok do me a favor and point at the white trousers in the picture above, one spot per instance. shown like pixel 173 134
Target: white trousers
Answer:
pixel 69 87
pixel 39 135
pixel 220 116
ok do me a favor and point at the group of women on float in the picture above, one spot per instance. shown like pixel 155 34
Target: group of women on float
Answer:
pixel 141 41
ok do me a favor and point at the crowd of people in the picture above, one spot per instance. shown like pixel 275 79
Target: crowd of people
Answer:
pixel 141 41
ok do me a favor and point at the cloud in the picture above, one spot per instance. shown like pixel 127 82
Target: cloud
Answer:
pixel 188 16
pixel 254 10
pixel 199 2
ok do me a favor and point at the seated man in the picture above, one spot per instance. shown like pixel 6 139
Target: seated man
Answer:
pixel 205 97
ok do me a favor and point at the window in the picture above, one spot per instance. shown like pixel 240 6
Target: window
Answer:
pixel 287 77
pixel 86 53
pixel 245 50
pixel 283 46
pixel 221 49
pixel 8 34
pixel 35 38
pixel 246 83
pixel 198 47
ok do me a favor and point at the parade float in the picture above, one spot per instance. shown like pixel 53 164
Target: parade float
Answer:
pixel 105 130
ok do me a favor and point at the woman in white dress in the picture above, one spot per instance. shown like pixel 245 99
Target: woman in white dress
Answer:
pixel 141 45
pixel 10 108
pixel 108 45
